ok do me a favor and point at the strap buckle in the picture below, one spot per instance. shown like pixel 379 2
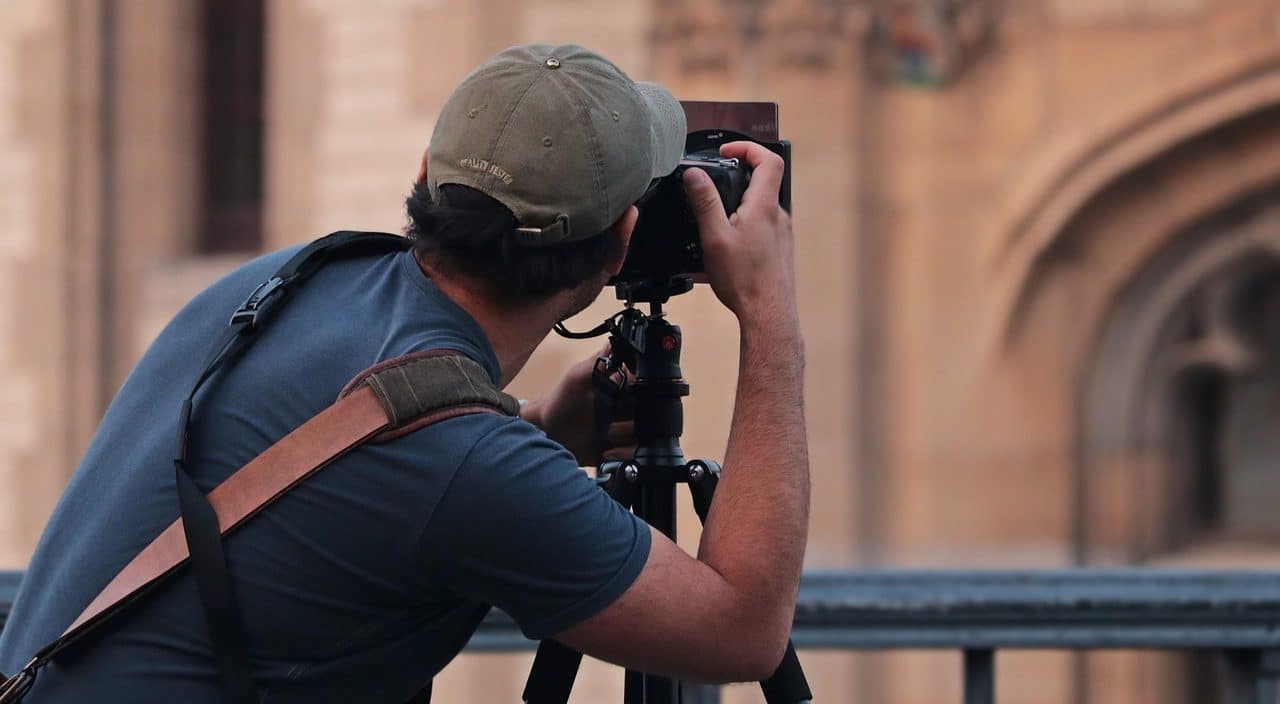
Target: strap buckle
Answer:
pixel 256 302
pixel 17 686
pixel 602 372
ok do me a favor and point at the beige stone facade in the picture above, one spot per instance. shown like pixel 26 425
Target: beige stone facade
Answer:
pixel 1037 242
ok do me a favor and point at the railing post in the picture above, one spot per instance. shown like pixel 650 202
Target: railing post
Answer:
pixel 980 676
pixel 700 694
pixel 1268 671
pixel 1249 676
pixel 1239 669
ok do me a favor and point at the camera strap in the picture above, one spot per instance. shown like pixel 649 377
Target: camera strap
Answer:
pixel 609 372
pixel 383 402
pixel 607 383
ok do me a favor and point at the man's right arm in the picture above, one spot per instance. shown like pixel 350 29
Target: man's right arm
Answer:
pixel 726 615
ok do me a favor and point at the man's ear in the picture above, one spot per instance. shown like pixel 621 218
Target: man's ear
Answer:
pixel 622 229
pixel 422 170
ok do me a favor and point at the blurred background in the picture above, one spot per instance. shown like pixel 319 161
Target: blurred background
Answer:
pixel 1038 249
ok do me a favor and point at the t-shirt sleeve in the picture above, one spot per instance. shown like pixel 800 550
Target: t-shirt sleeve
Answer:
pixel 521 527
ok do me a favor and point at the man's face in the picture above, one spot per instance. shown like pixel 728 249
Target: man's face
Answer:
pixel 584 294
pixel 588 291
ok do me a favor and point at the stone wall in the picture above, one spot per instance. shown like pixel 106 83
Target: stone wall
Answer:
pixel 20 421
pixel 42 319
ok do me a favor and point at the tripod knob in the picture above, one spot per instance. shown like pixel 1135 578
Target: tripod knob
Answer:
pixel 699 469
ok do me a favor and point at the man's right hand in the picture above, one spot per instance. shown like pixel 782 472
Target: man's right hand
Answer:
pixel 750 255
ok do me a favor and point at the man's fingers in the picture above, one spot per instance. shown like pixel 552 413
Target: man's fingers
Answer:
pixel 705 202
pixel 622 433
pixel 766 170
pixel 625 408
pixel 622 454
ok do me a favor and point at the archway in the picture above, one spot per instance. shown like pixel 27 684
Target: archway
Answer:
pixel 1155 242
pixel 1182 380
pixel 1082 166
pixel 1153 304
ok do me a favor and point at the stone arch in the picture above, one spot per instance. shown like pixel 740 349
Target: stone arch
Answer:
pixel 1099 253
pixel 1074 171
pixel 1174 322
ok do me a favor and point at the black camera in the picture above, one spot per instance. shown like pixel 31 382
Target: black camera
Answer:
pixel 665 242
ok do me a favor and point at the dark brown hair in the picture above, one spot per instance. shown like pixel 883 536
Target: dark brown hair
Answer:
pixel 471 233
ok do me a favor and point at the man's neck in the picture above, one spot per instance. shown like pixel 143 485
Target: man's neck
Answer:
pixel 513 331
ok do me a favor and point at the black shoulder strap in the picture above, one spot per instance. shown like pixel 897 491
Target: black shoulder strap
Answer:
pixel 199 521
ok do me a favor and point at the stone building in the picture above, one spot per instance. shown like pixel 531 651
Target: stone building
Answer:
pixel 1038 242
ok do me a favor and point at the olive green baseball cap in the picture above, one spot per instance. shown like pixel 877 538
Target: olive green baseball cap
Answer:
pixel 560 136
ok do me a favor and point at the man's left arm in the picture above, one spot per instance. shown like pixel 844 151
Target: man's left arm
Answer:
pixel 567 415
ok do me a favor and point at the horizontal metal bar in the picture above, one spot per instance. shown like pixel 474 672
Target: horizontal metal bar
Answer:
pixel 1068 609
pixel 1054 609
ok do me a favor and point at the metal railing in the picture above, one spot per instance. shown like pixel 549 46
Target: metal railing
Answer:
pixel 1234 613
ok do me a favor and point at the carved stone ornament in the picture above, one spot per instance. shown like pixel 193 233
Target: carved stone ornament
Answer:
pixel 714 35
pixel 927 42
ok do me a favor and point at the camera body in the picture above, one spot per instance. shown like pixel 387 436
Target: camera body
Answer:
pixel 665 242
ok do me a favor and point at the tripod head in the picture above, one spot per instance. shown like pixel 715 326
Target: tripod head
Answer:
pixel 648 345
pixel 653 291
pixel 631 330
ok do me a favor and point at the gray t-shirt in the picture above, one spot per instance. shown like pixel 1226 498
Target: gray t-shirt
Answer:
pixel 364 581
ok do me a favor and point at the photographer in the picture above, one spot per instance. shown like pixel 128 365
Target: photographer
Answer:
pixel 367 579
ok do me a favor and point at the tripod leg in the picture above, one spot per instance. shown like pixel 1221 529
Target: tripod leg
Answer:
pixel 633 688
pixel 555 667
pixel 787 684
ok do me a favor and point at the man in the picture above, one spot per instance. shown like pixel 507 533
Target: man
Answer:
pixel 368 578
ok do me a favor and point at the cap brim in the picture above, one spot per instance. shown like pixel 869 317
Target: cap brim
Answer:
pixel 668 128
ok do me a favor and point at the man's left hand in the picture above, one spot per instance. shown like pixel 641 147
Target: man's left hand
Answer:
pixel 567 415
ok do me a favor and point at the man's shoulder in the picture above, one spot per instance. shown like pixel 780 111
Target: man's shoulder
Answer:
pixel 489 438
pixel 473 460
pixel 483 452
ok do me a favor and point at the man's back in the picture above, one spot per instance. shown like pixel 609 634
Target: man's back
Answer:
pixel 365 580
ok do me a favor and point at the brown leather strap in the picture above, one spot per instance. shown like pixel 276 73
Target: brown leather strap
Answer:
pixel 414 388
pixel 313 445
pixel 397 396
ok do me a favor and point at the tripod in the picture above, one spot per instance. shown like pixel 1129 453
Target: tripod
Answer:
pixel 649 345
